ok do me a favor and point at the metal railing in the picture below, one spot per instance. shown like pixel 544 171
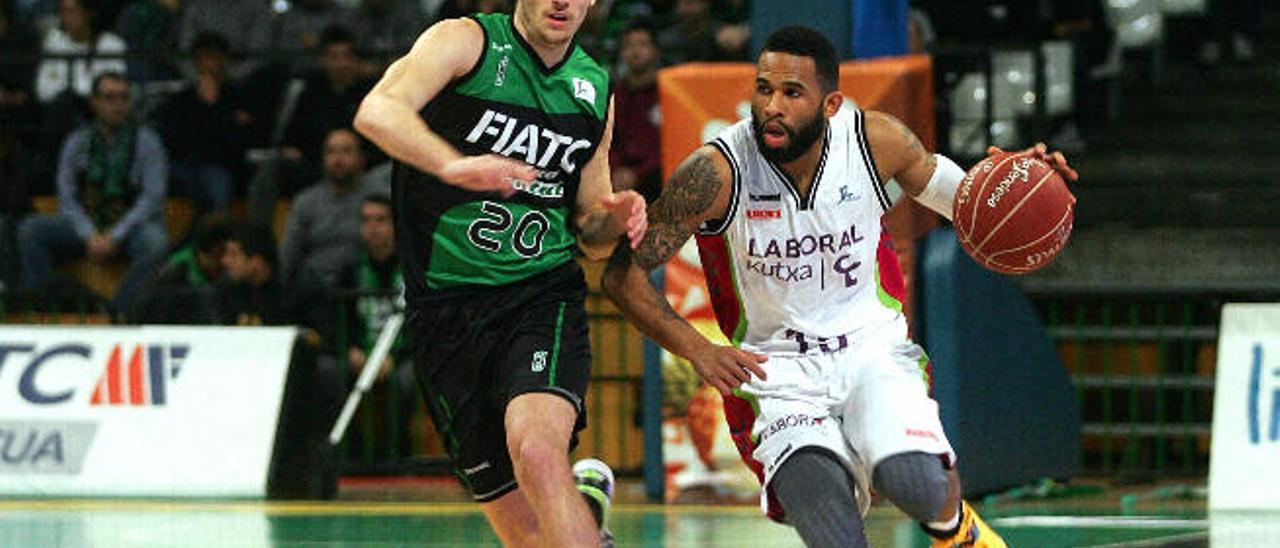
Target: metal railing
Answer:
pixel 1143 367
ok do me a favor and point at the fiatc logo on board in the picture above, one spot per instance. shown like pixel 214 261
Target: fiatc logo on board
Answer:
pixel 132 374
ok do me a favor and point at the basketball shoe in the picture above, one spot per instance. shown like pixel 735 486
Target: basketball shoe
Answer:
pixel 595 482
pixel 972 532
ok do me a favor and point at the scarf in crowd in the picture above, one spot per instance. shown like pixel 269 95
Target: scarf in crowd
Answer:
pixel 104 184
pixel 374 309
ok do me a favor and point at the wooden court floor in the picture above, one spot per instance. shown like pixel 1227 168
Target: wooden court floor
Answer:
pixel 102 523
pixel 43 523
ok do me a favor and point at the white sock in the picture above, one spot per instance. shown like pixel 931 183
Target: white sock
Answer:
pixel 949 525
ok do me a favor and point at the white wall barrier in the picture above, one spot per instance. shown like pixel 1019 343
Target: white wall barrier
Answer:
pixel 140 411
pixel 1244 461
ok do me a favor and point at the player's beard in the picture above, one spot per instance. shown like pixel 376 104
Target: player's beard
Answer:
pixel 798 140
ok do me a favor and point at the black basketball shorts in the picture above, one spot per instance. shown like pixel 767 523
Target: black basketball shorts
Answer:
pixel 475 354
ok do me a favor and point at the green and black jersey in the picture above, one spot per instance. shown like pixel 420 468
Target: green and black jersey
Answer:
pixel 509 104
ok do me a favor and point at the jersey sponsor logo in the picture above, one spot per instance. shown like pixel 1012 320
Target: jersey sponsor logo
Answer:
pixel 780 271
pixel 917 433
pixel 845 265
pixel 509 136
pixel 584 90
pixel 847 195
pixel 501 74
pixel 766 197
pixel 803 246
pixel 539 361
pixel 764 214
pixel 539 188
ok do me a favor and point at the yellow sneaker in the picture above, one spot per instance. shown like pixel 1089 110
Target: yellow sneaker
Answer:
pixel 973 533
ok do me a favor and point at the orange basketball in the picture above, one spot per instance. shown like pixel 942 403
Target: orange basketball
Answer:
pixel 1013 213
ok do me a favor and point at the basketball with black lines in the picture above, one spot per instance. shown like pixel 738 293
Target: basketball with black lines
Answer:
pixel 1013 213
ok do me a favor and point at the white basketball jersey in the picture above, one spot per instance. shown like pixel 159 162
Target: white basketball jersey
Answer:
pixel 792 274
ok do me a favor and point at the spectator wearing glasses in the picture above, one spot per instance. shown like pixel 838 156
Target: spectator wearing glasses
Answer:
pixel 111 180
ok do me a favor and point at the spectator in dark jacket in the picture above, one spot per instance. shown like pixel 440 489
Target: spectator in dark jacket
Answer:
pixel 183 291
pixel 205 128
pixel 329 101
pixel 250 292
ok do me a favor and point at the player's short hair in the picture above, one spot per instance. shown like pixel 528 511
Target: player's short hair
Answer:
pixel 641 24
pixel 96 86
pixel 381 198
pixel 806 42
pixel 210 41
pixel 257 239
pixel 211 232
pixel 336 34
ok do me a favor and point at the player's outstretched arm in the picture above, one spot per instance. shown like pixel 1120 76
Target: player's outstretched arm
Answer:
pixel 698 190
pixel 389 117
pixel 603 215
pixel 931 179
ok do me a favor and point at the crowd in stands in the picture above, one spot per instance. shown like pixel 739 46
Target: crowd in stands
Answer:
pixel 116 107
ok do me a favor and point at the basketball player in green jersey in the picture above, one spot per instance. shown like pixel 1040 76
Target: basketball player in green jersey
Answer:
pixel 500 127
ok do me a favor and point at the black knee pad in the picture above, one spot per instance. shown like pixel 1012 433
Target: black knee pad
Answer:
pixel 915 482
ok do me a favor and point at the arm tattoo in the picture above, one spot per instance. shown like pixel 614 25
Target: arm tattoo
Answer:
pixel 623 257
pixel 907 134
pixel 689 194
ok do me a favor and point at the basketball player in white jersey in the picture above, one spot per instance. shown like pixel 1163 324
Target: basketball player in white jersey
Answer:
pixel 825 394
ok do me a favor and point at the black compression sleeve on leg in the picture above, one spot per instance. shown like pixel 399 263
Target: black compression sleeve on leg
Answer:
pixel 817 494
pixel 915 482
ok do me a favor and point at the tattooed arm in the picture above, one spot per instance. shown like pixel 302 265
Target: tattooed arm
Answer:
pixel 698 190
pixel 898 153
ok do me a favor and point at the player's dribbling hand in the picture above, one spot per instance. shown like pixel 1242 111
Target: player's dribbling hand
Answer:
pixel 726 367
pixel 488 173
pixel 628 209
pixel 1041 152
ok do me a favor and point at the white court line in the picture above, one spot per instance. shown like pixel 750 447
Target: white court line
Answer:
pixel 1103 522
pixel 1187 539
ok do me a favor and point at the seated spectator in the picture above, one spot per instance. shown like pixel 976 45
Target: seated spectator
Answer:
pixel 371 286
pixel 205 127
pixel 451 9
pixel 302 30
pixel 18 114
pixel 246 24
pixel 694 35
pixel 635 156
pixel 329 101
pixel 75 53
pixel 112 175
pixel 387 28
pixel 249 291
pixel 182 291
pixel 151 29
pixel 42 15
pixel 15 203
pixel 322 231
